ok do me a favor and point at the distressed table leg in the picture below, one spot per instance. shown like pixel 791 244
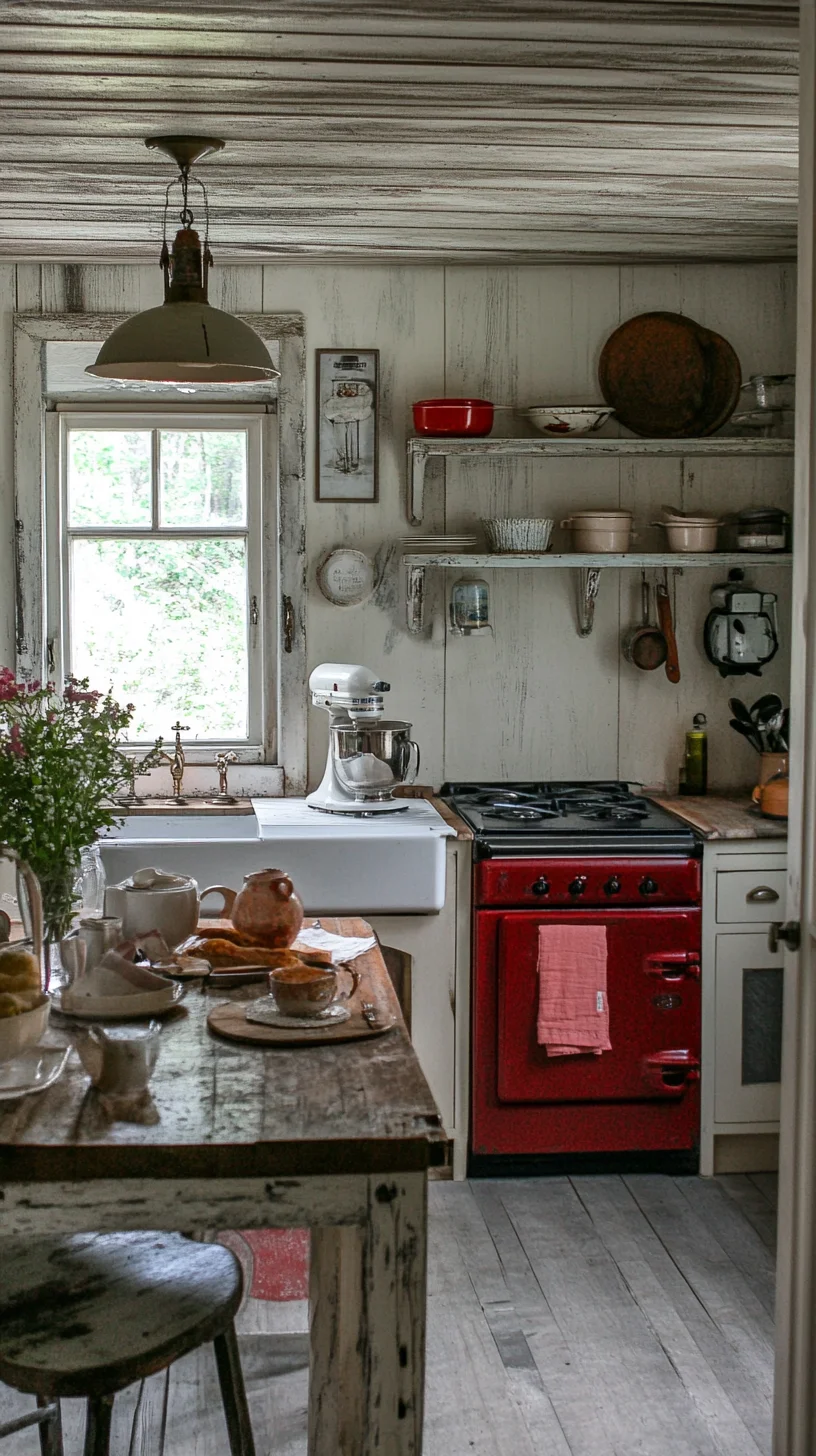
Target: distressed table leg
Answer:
pixel 368 1293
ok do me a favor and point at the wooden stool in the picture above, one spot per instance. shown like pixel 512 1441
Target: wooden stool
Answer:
pixel 87 1315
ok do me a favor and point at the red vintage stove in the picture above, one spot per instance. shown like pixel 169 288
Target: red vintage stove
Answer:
pixel 583 854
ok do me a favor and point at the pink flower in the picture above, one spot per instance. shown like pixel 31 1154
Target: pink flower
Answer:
pixel 16 745
pixel 9 686
pixel 73 695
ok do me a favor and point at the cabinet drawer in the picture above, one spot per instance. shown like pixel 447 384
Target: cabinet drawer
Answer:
pixel 749 895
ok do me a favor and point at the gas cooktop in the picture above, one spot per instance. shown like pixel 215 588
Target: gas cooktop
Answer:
pixel 566 818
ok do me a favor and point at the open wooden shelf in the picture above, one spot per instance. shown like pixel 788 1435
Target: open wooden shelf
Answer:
pixel 587 569
pixel 484 561
pixel 420 447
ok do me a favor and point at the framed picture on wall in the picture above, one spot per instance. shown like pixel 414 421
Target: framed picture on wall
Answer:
pixel 347 409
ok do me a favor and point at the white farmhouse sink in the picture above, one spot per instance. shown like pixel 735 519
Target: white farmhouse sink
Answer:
pixel 148 828
pixel 387 864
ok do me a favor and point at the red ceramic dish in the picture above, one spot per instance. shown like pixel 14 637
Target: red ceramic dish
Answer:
pixel 453 417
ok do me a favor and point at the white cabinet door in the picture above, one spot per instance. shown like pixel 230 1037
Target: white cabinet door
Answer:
pixel 748 1029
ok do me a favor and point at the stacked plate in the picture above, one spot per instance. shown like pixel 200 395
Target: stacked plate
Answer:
pixel 668 377
pixel 450 545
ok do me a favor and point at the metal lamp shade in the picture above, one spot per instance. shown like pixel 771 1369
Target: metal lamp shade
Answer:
pixel 184 343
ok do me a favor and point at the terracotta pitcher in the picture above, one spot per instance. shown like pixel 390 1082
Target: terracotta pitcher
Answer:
pixel 266 909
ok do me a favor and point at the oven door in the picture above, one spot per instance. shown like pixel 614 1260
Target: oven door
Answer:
pixel 653 993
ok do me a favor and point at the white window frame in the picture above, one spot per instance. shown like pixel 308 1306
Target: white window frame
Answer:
pixel 284 536
pixel 251 749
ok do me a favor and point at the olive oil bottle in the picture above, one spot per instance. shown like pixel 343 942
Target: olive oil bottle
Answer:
pixel 694 773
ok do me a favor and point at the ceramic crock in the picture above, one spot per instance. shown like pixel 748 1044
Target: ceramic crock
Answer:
pixel 266 910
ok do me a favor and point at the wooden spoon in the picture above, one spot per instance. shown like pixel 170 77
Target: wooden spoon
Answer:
pixel 667 628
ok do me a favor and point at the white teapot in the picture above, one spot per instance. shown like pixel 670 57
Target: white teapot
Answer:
pixel 152 899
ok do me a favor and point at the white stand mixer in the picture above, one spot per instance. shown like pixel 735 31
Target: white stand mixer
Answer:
pixel 368 758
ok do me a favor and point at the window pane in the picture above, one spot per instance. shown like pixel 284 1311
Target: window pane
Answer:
pixel 203 477
pixel 164 623
pixel 109 478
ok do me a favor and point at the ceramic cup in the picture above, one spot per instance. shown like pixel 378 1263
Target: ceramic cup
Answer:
pixel 119 1059
pixel 308 990
pixel 100 934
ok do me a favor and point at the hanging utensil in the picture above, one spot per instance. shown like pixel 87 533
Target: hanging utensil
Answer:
pixel 645 646
pixel 739 710
pixel 748 732
pixel 664 614
pixel 765 708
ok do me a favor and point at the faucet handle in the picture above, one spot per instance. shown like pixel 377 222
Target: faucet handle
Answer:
pixel 222 763
pixel 179 727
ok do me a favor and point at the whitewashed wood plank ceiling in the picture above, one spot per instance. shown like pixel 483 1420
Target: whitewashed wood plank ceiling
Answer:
pixel 518 130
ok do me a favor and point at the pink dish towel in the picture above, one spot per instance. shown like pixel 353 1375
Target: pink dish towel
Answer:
pixel 573 1010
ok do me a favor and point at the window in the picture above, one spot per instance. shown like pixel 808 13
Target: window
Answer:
pixel 160 571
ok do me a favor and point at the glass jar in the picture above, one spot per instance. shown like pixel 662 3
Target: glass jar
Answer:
pixel 470 606
pixel 89 886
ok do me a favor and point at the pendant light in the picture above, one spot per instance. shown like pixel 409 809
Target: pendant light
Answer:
pixel 185 340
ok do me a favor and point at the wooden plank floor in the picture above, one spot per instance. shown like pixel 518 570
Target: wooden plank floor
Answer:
pixel 567 1317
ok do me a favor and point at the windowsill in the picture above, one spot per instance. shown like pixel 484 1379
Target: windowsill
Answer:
pixel 246 781
pixel 193 807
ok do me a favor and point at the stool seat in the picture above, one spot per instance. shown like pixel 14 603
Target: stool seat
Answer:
pixel 90 1314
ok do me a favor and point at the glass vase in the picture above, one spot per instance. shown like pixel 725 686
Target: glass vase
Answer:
pixel 58 899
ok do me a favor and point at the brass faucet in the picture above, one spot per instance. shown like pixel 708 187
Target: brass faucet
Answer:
pixel 176 762
pixel 222 763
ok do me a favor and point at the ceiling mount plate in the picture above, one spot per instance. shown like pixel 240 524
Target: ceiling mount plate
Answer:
pixel 186 150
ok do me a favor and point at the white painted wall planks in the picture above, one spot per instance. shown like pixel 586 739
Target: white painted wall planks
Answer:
pixel 534 700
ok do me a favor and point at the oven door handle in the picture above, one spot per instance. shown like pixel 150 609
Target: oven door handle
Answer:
pixel 673 965
pixel 670 1073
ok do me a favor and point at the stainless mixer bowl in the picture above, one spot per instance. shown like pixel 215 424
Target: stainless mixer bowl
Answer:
pixel 371 760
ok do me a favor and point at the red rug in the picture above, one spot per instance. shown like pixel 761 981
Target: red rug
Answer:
pixel 275 1261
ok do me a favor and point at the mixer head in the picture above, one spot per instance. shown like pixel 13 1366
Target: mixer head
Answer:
pixel 348 688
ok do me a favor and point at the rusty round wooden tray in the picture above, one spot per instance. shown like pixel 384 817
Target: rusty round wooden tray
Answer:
pixel 229 1020
pixel 668 377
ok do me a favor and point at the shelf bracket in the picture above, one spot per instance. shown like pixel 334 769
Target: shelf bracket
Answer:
pixel 587 579
pixel 415 599
pixel 417 458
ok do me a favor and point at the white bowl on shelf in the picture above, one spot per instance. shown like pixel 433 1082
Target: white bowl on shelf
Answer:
pixel 25 1030
pixel 518 533
pixel 565 422
pixel 600 531
pixel 691 534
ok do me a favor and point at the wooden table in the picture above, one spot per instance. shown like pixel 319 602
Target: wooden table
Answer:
pixel 337 1138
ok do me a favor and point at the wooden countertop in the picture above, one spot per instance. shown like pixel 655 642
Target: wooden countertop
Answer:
pixel 220 1109
pixel 424 791
pixel 722 816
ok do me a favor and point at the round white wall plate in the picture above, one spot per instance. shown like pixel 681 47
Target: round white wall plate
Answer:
pixel 346 577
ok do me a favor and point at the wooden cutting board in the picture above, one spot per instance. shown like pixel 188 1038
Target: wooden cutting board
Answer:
pixel 720 818
pixel 229 1020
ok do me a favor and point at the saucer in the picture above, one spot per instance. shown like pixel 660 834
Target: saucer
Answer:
pixel 266 1012
pixel 36 1068
pixel 119 1008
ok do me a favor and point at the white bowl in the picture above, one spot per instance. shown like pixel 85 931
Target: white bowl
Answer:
pixel 600 531
pixel 690 535
pixel 518 533
pixel 568 421
pixel 25 1030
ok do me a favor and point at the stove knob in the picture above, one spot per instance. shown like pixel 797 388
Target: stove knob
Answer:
pixel 578 885
pixel 541 887
pixel 648 886
pixel 613 886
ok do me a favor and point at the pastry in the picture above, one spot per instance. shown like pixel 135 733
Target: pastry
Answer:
pixel 20 988
pixel 224 954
